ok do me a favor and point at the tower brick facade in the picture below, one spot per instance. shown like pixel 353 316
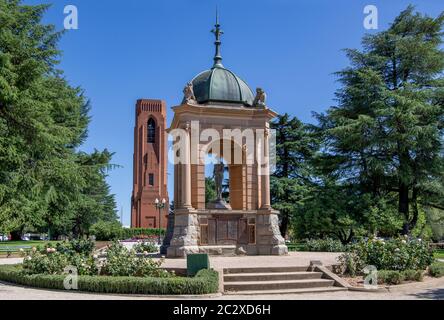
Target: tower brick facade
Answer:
pixel 149 165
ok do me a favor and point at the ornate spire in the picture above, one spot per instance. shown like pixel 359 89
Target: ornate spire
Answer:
pixel 217 32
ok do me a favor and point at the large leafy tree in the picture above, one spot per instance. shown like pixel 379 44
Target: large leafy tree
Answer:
pixel 43 120
pixel 95 202
pixel 290 182
pixel 386 134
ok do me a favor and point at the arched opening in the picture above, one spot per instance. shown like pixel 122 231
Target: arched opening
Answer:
pixel 151 131
pixel 220 180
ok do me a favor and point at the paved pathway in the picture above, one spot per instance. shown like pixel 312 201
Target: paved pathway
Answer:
pixel 430 289
pixel 292 259
pixel 11 261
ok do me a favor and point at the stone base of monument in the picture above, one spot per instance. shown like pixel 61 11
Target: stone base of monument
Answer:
pixel 218 205
pixel 226 233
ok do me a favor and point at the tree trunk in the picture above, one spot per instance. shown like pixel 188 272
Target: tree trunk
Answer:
pixel 414 221
pixel 403 207
pixel 16 235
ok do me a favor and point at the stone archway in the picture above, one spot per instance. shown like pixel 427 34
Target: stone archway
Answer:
pixel 249 225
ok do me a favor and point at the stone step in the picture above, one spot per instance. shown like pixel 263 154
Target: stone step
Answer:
pixel 286 291
pixel 233 277
pixel 265 269
pixel 277 285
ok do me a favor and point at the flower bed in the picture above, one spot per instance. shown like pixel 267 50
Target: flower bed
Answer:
pixel 123 271
pixel 145 247
pixel 205 282
pixel 395 260
pixel 396 254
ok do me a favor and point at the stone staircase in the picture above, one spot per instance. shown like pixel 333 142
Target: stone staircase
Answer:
pixel 278 280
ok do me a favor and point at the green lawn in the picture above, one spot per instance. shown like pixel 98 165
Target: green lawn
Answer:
pixel 298 246
pixel 439 253
pixel 14 245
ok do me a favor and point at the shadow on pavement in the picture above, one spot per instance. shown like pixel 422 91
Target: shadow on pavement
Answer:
pixel 432 294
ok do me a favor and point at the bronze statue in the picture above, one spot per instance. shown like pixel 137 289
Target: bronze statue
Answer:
pixel 218 174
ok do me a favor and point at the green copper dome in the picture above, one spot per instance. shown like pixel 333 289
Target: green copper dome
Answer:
pixel 221 85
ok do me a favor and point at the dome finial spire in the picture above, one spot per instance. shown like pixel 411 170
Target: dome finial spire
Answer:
pixel 217 32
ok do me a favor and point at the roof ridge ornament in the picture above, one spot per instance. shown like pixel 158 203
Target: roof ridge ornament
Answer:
pixel 217 32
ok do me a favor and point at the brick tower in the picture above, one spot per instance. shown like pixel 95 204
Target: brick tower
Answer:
pixel 149 165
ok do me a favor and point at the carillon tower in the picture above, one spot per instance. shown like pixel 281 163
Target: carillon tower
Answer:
pixel 149 165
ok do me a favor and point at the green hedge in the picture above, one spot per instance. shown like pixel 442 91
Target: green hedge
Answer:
pixel 133 232
pixel 297 246
pixel 112 230
pixel 205 282
pixel 395 277
pixel 437 269
pixel 325 245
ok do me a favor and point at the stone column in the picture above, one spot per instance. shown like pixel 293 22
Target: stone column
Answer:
pixel 266 202
pixel 186 175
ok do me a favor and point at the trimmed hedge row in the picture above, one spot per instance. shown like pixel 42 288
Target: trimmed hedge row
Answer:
pixel 396 277
pixel 205 282
pixel 134 232
pixel 112 230
pixel 437 269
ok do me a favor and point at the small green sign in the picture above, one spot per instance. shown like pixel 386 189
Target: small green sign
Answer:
pixel 197 262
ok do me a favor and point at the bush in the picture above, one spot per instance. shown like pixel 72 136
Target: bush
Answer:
pixel 205 282
pixel 393 277
pixel 113 230
pixel 390 277
pixel 39 263
pixel 396 254
pixel 351 263
pixel 437 269
pixel 86 265
pixel 413 275
pixel 145 247
pixel 325 245
pixel 54 262
pixel 106 230
pixel 122 262
pixel 80 246
pixel 141 233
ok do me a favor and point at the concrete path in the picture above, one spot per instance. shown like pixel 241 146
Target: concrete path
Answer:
pixel 9 261
pixel 292 259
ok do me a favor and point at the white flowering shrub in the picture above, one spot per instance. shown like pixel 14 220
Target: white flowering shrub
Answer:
pixel 50 260
pixel 145 247
pixel 123 262
pixel 396 254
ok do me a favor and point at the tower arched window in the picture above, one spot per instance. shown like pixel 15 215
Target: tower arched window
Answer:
pixel 151 131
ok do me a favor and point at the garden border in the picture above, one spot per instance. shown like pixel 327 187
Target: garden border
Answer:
pixel 204 283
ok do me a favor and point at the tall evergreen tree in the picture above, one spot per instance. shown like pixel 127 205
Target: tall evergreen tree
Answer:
pixel 43 120
pixel 290 182
pixel 386 134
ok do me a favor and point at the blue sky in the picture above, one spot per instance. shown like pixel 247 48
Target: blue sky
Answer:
pixel 126 50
